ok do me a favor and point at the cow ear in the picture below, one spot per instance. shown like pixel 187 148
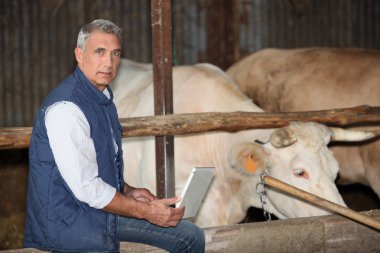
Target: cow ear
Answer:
pixel 249 158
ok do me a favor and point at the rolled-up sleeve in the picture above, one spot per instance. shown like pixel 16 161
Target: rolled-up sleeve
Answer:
pixel 74 152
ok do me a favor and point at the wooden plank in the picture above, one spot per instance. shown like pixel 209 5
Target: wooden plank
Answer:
pixel 324 234
pixel 18 137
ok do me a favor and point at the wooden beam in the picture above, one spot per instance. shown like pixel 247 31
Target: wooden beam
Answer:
pixel 223 32
pixel 18 137
pixel 321 202
pixel 329 233
pixel 236 121
pixel 15 137
pixel 163 93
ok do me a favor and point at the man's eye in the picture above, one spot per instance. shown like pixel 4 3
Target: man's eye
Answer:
pixel 117 53
pixel 100 52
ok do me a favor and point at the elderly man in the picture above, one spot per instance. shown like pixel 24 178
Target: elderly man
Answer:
pixel 77 199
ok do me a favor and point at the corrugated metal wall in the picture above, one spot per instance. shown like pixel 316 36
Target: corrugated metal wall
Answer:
pixel 288 24
pixel 37 41
pixel 222 31
pixel 37 37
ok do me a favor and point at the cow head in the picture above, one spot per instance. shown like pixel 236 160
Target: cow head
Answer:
pixel 298 155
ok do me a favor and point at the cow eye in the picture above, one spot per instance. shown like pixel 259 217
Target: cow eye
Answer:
pixel 300 173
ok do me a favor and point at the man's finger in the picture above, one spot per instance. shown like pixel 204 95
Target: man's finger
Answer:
pixel 170 201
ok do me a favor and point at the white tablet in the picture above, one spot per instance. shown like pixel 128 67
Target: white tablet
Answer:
pixel 195 190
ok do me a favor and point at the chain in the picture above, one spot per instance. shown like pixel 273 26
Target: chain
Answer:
pixel 261 189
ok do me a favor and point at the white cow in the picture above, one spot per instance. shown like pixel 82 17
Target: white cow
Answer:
pixel 308 79
pixel 306 163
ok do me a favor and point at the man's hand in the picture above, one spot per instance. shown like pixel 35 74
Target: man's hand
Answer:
pixel 140 194
pixel 162 214
pixel 140 203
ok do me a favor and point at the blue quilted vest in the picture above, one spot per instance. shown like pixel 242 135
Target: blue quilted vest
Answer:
pixel 56 220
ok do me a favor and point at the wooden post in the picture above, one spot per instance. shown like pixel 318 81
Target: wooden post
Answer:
pixel 163 93
pixel 223 36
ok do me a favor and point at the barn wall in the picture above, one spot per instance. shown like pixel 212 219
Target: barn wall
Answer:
pixel 221 32
pixel 305 23
pixel 37 37
pixel 37 41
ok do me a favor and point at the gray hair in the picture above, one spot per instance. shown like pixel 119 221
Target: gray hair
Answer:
pixel 97 25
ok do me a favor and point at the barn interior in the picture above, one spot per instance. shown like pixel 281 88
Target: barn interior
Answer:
pixel 38 38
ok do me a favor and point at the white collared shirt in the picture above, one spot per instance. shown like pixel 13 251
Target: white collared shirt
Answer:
pixel 74 152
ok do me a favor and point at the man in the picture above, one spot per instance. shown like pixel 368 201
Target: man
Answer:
pixel 77 199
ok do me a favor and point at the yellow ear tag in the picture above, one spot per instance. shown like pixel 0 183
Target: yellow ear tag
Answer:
pixel 250 165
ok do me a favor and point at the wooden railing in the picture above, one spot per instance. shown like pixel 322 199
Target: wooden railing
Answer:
pixel 19 137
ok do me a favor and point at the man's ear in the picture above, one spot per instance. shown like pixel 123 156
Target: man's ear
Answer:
pixel 78 54
pixel 249 158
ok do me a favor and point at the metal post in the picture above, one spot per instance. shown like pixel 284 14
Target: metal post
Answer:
pixel 163 93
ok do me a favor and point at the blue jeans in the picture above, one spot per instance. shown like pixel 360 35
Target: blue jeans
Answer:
pixel 185 237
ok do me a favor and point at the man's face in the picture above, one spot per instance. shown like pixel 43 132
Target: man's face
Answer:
pixel 100 60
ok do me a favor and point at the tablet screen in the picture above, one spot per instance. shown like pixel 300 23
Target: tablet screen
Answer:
pixel 195 190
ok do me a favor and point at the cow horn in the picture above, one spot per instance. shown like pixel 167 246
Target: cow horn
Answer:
pixel 282 138
pixel 340 134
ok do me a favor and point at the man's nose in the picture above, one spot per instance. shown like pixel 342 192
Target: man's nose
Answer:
pixel 108 60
